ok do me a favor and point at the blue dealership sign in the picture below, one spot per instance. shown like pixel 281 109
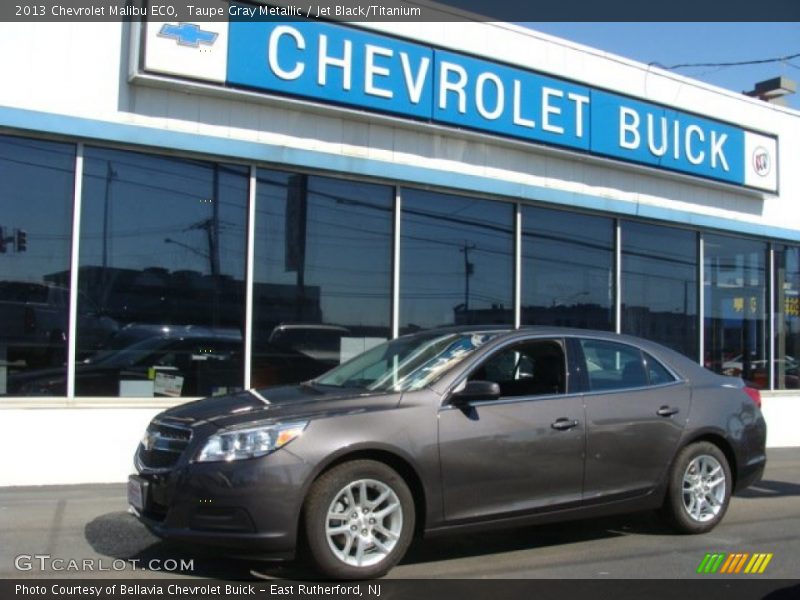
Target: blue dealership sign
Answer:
pixel 346 66
pixel 331 63
pixel 495 98
pixel 653 135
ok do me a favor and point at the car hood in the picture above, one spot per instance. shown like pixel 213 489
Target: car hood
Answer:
pixel 295 401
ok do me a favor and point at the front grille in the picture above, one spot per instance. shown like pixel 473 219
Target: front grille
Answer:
pixel 157 459
pixel 163 444
pixel 171 431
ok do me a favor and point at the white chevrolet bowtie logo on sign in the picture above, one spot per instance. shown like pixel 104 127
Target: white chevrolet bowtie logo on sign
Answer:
pixel 195 50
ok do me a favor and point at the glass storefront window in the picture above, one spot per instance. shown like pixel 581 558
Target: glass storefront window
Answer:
pixel 736 325
pixel 567 269
pixel 787 317
pixel 457 261
pixel 36 188
pixel 322 274
pixel 659 285
pixel 161 278
pixel 162 275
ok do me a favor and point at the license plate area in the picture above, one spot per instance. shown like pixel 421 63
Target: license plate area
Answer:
pixel 137 492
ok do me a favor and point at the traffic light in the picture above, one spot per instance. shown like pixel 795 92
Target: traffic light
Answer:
pixel 21 241
pixel 2 240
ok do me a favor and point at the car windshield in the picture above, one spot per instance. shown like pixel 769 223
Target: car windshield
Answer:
pixel 407 363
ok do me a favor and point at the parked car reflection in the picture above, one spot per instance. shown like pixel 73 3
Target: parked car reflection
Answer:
pixel 150 360
pixel 172 361
pixel 756 371
pixel 33 323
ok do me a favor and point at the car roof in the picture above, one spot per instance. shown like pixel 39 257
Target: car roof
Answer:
pixel 526 330
pixel 684 365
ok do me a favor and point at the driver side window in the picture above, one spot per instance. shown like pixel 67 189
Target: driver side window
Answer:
pixel 528 369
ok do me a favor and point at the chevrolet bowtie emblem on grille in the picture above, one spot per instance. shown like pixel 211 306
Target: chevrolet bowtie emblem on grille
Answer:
pixel 188 34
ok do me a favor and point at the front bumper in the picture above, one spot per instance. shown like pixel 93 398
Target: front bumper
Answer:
pixel 243 507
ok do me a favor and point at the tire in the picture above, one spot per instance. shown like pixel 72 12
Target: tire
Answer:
pixel 376 525
pixel 699 492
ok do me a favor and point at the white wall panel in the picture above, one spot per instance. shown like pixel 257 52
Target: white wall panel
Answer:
pixel 85 77
pixel 76 445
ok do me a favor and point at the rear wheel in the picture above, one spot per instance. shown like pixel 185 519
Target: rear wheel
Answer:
pixel 700 487
pixel 359 520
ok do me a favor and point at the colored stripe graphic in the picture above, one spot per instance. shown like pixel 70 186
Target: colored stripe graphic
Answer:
pixel 733 563
pixel 737 562
pixel 726 568
pixel 758 563
pixel 711 562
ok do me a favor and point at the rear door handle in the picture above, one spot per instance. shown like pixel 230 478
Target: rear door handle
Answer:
pixel 667 411
pixel 563 424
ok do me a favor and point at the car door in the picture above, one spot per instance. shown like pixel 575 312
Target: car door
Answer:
pixel 522 451
pixel 636 410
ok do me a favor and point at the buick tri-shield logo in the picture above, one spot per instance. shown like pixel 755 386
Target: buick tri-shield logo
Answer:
pixel 762 162
pixel 188 34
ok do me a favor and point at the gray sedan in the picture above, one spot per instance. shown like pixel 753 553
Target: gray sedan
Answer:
pixel 451 430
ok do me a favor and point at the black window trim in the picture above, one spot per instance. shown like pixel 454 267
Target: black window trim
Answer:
pixel 583 378
pixel 475 361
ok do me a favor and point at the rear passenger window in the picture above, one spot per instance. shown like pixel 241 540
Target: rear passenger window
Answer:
pixel 657 372
pixel 613 366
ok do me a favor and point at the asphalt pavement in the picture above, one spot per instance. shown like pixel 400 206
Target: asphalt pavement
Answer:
pixel 85 531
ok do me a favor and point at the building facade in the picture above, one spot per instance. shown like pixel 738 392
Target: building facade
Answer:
pixel 192 209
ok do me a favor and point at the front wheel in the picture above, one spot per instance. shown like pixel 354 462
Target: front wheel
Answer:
pixel 700 487
pixel 359 520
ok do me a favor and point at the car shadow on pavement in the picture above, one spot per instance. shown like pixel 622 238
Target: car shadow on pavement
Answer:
pixel 120 536
pixel 533 537
pixel 770 489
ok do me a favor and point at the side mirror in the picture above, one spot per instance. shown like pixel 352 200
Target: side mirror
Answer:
pixel 476 390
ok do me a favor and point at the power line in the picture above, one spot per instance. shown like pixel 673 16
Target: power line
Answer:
pixel 728 64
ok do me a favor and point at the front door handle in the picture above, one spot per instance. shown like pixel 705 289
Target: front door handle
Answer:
pixel 667 411
pixel 563 424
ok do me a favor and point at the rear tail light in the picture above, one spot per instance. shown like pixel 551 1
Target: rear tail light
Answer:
pixel 754 394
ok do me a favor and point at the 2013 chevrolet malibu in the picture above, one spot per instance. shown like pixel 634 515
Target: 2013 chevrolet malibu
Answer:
pixel 450 430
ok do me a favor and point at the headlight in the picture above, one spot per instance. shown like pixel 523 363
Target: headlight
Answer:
pixel 249 443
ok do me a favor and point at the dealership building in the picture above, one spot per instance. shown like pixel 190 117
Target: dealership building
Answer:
pixel 190 209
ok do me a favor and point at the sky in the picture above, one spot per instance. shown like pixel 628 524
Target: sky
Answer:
pixel 678 43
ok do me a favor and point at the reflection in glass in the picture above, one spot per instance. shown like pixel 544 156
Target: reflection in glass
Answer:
pixel 407 363
pixel 162 254
pixel 659 285
pixel 567 269
pixel 457 261
pixel 736 308
pixel 612 366
pixel 36 186
pixel 787 317
pixel 322 274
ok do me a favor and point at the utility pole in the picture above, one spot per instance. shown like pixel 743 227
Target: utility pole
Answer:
pixel 110 174
pixel 296 225
pixel 213 230
pixel 469 270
